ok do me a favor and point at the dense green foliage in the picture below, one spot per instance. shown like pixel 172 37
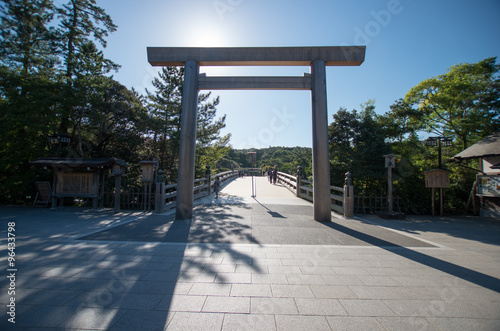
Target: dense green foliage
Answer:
pixel 287 159
pixel 163 126
pixel 462 104
pixel 356 145
pixel 54 79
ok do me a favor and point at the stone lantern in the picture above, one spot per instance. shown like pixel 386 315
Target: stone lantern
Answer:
pixel 118 171
pixel 148 169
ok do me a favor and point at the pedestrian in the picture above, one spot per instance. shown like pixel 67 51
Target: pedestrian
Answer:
pixel 275 174
pixel 270 174
pixel 216 187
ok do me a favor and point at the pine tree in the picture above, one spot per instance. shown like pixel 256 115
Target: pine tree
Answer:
pixel 165 106
pixel 82 23
pixel 27 43
pixel 28 90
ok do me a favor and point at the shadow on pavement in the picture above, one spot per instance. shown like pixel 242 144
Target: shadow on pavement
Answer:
pixel 480 229
pixel 272 213
pixel 470 275
pixel 72 284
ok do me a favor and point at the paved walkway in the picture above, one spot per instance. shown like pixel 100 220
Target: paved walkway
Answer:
pixel 244 263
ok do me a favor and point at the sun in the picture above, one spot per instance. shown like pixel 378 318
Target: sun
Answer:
pixel 208 37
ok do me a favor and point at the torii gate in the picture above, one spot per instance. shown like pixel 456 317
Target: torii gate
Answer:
pixel 315 57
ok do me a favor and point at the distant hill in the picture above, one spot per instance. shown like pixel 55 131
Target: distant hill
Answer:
pixel 286 158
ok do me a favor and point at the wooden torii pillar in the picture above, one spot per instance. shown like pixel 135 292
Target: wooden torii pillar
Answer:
pixel 315 57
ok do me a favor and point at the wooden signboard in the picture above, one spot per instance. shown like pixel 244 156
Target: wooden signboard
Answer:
pixel 252 157
pixel 437 178
pixel 76 183
pixel 440 179
pixel 488 186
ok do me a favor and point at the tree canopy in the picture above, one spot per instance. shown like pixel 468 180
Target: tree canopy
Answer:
pixel 55 79
pixel 463 103
pixel 164 109
pixel 287 159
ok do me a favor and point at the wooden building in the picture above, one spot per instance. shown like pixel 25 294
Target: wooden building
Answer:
pixel 79 178
pixel 487 186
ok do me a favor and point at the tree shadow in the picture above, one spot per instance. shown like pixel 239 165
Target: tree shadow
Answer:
pixel 480 229
pixel 209 237
pixel 470 275
pixel 63 283
pixel 111 284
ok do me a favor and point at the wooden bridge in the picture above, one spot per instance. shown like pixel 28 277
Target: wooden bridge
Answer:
pixel 288 190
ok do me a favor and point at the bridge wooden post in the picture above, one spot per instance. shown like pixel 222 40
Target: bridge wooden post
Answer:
pixel 321 160
pixel 348 196
pixel 160 193
pixel 298 183
pixel 208 175
pixel 185 179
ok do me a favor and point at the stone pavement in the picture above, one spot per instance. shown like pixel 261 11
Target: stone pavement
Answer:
pixel 248 264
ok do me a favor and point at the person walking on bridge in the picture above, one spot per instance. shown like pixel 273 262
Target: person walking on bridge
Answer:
pixel 275 174
pixel 216 187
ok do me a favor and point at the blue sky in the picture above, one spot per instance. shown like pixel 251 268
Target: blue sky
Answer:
pixel 407 41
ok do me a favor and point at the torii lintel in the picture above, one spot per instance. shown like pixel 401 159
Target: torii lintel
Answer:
pixel 257 56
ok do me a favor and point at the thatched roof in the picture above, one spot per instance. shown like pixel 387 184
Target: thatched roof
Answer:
pixel 487 147
pixel 77 163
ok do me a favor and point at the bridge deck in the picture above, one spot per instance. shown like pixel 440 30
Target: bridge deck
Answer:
pixel 240 191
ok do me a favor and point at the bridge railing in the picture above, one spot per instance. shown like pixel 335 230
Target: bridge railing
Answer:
pixel 342 199
pixel 287 180
pixel 166 195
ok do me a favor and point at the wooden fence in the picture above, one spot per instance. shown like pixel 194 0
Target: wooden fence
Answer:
pixel 133 199
pixel 373 205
